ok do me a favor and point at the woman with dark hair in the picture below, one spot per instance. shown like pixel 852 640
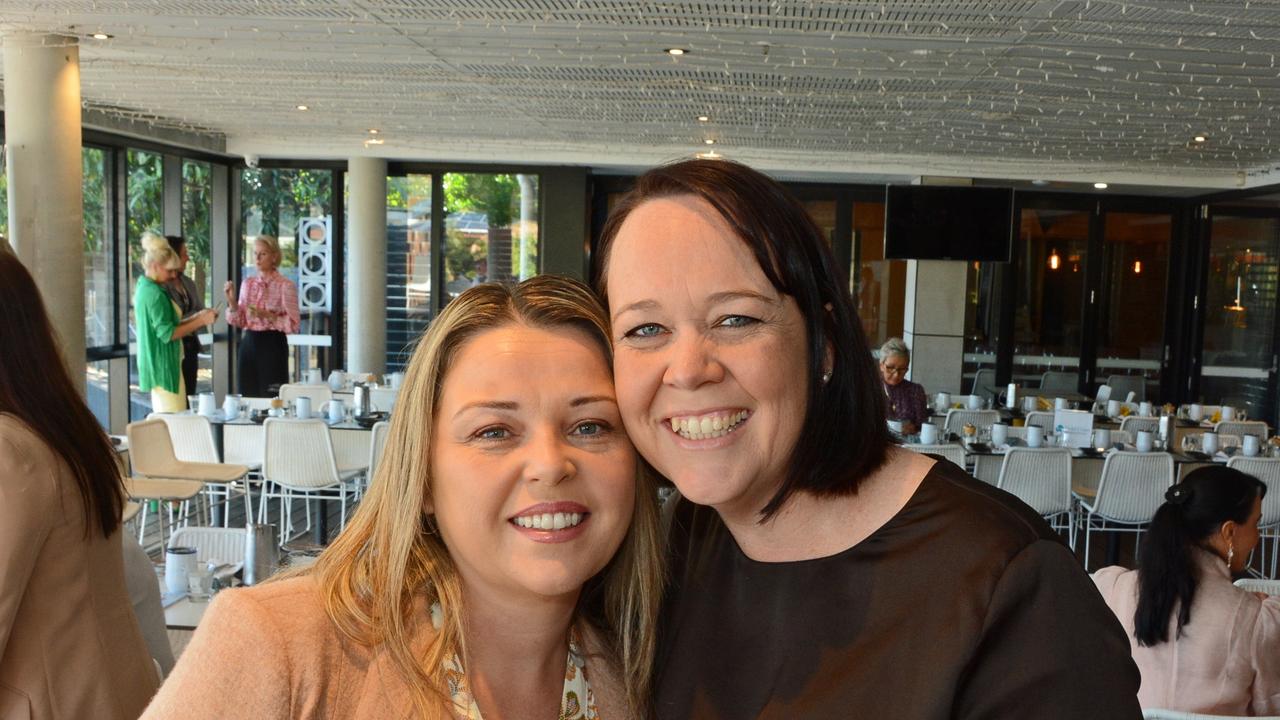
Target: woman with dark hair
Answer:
pixel 184 293
pixel 1202 644
pixel 70 646
pixel 816 570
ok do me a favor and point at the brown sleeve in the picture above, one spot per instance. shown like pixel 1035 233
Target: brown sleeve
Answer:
pixel 1050 649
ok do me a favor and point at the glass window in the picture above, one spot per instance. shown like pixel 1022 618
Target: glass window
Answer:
pixel 1240 313
pixel 4 200
pixel 1050 276
pixel 879 286
pixel 197 209
pixel 823 213
pixel 491 229
pixel 144 212
pixel 408 265
pixel 99 303
pixel 981 316
pixel 97 393
pixel 1135 264
pixel 295 206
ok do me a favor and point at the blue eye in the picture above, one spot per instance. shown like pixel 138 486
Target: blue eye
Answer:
pixel 492 433
pixel 646 330
pixel 591 428
pixel 737 321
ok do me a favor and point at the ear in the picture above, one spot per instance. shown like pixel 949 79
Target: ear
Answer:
pixel 1228 533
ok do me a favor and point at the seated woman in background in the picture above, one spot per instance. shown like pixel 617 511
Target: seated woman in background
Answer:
pixel 504 560
pixel 160 327
pixel 905 400
pixel 1202 644
pixel 70 646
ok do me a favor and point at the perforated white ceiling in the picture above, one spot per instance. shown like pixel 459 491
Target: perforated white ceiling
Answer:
pixel 1058 89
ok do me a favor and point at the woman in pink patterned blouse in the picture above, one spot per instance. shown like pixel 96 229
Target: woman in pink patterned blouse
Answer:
pixel 267 310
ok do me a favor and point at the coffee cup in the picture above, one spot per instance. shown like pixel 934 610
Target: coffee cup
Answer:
pixel 1059 403
pixel 1250 446
pixel 302 407
pixel 1228 413
pixel 928 434
pixel 314 376
pixel 1144 408
pixel 1113 408
pixel 1102 438
pixel 1035 436
pixel 230 407
pixel 1209 443
pixel 895 426
pixel 336 411
pixel 974 402
pixel 1029 404
pixel 999 434
pixel 942 402
pixel 207 404
pixel 179 562
pixel 1195 413
pixel 1144 441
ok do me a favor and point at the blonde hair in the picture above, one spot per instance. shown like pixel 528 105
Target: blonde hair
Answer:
pixel 158 253
pixel 272 244
pixel 390 557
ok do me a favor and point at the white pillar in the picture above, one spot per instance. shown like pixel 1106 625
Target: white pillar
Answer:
pixel 367 265
pixel 933 323
pixel 42 135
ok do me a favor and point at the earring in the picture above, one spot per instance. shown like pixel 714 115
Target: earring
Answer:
pixel 1231 555
pixel 826 377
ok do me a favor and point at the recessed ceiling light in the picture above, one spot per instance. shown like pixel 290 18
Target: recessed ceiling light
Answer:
pixel 303 107
pixel 1100 185
pixel 374 131
pixel 709 155
pixel 704 118
pixel 101 36
pixel 709 141
pixel 1039 183
pixel 675 51
pixel 374 141
pixel 1199 138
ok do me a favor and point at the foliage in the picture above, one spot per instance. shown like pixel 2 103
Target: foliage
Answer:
pixel 144 199
pixel 277 199
pixel 197 209
pixel 4 202
pixel 93 163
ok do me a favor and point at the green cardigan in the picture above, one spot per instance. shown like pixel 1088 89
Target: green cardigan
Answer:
pixel 159 356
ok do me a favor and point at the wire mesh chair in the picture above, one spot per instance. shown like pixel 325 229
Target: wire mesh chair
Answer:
pixel 1130 490
pixel 1268 471
pixel 192 438
pixel 211 543
pixel 1059 380
pixel 1122 385
pixel 1270 587
pixel 319 394
pixel 982 419
pixel 1240 428
pixel 1041 419
pixel 298 462
pixel 1134 424
pixel 1041 478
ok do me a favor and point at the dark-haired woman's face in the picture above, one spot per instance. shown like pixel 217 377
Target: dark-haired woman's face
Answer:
pixel 1247 536
pixel 710 360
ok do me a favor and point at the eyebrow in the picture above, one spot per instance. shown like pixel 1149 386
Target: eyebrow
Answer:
pixel 714 298
pixel 510 405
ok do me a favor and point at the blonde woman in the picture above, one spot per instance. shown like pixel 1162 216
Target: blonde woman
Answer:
pixel 267 310
pixel 159 327
pixel 503 564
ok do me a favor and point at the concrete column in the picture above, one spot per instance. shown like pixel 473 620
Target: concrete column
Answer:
pixel 933 323
pixel 367 265
pixel 42 135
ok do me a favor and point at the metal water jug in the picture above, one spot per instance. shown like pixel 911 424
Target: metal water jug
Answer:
pixel 363 401
pixel 261 554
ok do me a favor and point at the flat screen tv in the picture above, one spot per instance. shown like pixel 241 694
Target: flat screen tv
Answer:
pixel 946 222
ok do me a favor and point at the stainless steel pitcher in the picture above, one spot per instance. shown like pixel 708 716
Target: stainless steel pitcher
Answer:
pixel 363 400
pixel 261 553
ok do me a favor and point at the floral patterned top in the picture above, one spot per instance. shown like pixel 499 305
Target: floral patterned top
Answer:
pixel 577 702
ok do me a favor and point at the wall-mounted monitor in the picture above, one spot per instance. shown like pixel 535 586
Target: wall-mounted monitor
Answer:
pixel 946 222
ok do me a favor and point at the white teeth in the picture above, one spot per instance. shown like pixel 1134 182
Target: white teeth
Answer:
pixel 707 426
pixel 549 521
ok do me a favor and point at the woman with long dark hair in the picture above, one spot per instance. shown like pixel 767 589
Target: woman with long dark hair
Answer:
pixel 1202 644
pixel 70 646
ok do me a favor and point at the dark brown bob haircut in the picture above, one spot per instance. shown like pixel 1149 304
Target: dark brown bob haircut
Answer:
pixel 844 436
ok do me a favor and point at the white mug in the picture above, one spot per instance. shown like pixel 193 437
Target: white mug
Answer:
pixel 1059 403
pixel 1144 408
pixel 1209 443
pixel 1196 412
pixel 1029 404
pixel 896 426
pixel 928 434
pixel 1249 445
pixel 230 407
pixel 394 380
pixel 1113 408
pixel 314 377
pixel 942 402
pixel 1228 413
pixel 974 402
pixel 178 564
pixel 302 407
pixel 1102 438
pixel 1143 441
pixel 207 404
pixel 1035 436
pixel 999 434
pixel 336 411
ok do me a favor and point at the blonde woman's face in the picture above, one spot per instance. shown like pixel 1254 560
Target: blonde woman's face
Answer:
pixel 263 257
pixel 533 477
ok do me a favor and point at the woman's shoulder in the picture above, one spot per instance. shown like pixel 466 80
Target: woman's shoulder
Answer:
pixel 977 511
pixel 294 605
pixel 21 446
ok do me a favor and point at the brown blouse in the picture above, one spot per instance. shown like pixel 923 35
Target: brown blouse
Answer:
pixel 964 605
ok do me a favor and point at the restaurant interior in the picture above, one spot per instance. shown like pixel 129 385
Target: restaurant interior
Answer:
pixel 401 151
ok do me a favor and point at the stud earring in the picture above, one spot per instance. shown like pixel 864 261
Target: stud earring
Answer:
pixel 826 377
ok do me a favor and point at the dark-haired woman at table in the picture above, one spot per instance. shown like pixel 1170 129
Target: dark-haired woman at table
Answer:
pixel 1202 644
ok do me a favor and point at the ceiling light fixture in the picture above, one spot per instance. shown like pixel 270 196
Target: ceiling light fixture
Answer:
pixel 1100 185
pixel 101 36
pixel 302 107
pixel 709 141
pixel 704 118
pixel 709 155
pixel 1054 260
pixel 1039 183
pixel 374 131
pixel 1199 138
pixel 676 52
pixel 374 141
pixel 1137 267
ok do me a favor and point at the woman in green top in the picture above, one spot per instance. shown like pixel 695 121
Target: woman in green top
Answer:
pixel 160 328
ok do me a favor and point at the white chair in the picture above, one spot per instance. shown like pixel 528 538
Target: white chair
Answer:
pixel 1130 490
pixel 1134 424
pixel 1122 385
pixel 319 394
pixel 981 419
pixel 1041 478
pixel 298 462
pixel 1058 380
pixel 984 383
pixel 377 444
pixel 1159 714
pixel 192 438
pixel 1270 587
pixel 383 398
pixel 256 403
pixel 211 543
pixel 948 451
pixel 1240 428
pixel 152 456
pixel 1268 471
pixel 1041 419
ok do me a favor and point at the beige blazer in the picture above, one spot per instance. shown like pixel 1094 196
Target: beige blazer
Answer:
pixel 70 646
pixel 1227 660
pixel 271 653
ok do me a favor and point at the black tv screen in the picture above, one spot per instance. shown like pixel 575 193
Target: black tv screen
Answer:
pixel 946 222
